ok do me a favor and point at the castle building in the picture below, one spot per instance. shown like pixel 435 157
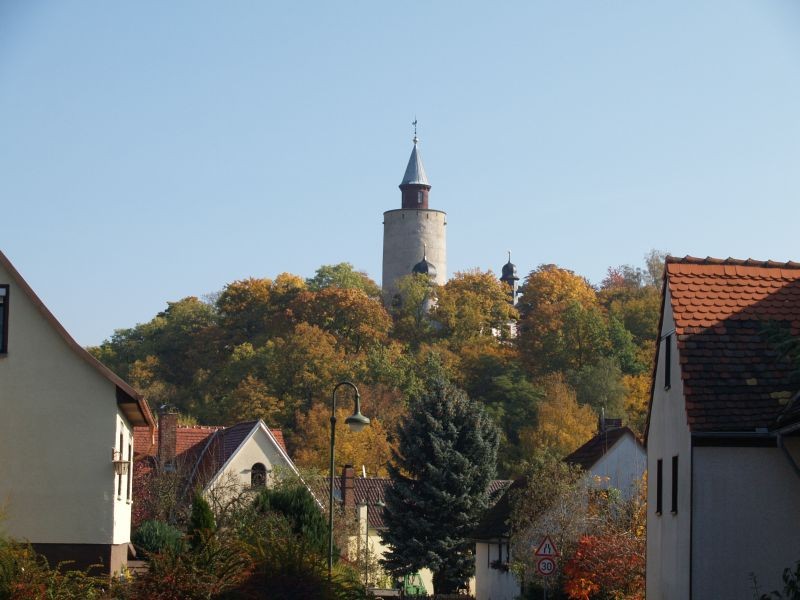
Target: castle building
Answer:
pixel 414 235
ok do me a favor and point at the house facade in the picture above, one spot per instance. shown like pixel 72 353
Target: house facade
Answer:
pixel 722 435
pixel 613 458
pixel 66 420
pixel 223 462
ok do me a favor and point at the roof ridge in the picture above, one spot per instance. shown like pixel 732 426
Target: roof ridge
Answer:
pixel 747 262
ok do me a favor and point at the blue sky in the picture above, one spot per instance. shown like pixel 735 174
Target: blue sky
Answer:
pixel 152 150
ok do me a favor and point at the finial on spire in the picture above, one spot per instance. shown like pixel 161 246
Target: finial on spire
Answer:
pixel 416 139
pixel 509 255
pixel 424 251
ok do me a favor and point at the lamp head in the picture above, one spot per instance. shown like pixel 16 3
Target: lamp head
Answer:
pixel 357 421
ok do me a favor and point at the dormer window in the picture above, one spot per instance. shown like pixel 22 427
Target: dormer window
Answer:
pixel 4 288
pixel 258 476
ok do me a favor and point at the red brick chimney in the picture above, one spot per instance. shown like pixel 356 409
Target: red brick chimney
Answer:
pixel 167 437
pixel 348 486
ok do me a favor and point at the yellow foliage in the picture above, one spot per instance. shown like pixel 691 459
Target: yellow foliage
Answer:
pixel 637 399
pixel 563 425
pixel 369 447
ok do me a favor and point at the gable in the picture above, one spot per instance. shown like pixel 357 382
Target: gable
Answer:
pixel 130 403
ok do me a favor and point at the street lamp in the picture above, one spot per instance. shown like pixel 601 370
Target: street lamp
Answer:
pixel 356 422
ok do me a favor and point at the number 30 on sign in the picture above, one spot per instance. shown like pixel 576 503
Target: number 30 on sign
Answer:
pixel 546 566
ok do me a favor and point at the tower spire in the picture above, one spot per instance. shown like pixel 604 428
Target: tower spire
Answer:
pixel 415 186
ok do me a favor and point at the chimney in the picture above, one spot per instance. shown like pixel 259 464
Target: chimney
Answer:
pixel 348 486
pixel 167 437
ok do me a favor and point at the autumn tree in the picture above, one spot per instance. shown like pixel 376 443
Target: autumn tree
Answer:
pixel 552 503
pixel 473 304
pixel 353 318
pixel 609 560
pixel 563 425
pixel 445 460
pixel 369 447
pixel 561 326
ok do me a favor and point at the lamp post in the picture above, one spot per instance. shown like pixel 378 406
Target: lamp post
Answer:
pixel 356 422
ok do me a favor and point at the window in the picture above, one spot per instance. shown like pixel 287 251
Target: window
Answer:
pixel 130 469
pixel 659 487
pixel 674 507
pixel 419 197
pixel 258 476
pixel 667 361
pixel 119 477
pixel 4 318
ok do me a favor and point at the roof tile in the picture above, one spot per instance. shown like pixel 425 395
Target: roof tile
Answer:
pixel 734 379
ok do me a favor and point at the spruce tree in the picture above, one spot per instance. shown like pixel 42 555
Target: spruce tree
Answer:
pixel 201 522
pixel 443 465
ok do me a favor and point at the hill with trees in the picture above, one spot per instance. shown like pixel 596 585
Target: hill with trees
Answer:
pixel 274 349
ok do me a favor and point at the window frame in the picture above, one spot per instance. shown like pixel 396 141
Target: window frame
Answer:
pixel 5 287
pixel 674 494
pixel 255 471
pixel 659 487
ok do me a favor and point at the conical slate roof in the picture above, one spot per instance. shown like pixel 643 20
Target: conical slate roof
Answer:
pixel 415 171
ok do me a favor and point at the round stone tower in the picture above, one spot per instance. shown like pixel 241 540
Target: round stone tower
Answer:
pixel 413 232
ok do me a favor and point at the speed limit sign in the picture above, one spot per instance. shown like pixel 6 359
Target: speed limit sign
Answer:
pixel 546 566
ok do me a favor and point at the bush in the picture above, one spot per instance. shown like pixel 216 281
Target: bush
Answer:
pixel 201 523
pixel 153 537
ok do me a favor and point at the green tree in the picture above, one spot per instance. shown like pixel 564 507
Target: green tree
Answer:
pixel 410 308
pixel 201 522
pixel 344 276
pixel 446 458
pixel 295 503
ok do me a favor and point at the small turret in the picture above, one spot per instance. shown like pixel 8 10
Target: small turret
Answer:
pixel 424 267
pixel 510 278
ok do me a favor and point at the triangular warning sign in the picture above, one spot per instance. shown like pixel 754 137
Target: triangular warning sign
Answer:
pixel 547 547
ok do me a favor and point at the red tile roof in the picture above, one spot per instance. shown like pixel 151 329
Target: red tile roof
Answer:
pixel 587 455
pixel 372 491
pixel 734 378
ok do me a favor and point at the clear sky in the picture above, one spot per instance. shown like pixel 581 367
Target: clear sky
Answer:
pixel 155 150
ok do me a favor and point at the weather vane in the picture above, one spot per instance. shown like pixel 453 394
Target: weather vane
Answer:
pixel 415 125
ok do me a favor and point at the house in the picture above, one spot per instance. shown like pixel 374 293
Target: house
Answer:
pixel 66 437
pixel 613 458
pixel 366 497
pixel 221 461
pixel 722 433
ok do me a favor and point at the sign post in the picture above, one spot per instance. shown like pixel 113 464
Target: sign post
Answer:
pixel 546 554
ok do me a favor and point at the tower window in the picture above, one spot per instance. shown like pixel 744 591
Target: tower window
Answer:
pixel 258 476
pixel 419 196
pixel 4 318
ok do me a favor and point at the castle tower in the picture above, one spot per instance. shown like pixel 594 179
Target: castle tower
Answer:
pixel 414 230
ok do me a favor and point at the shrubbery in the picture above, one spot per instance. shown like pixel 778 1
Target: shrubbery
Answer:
pixel 153 537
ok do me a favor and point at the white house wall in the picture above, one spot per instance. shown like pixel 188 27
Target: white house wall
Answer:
pixel 754 487
pixel 622 467
pixel 493 584
pixel 668 534
pixel 57 432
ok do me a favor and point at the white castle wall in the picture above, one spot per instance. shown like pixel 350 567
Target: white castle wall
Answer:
pixel 406 232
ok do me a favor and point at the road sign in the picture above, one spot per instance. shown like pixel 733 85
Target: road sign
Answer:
pixel 546 566
pixel 547 547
